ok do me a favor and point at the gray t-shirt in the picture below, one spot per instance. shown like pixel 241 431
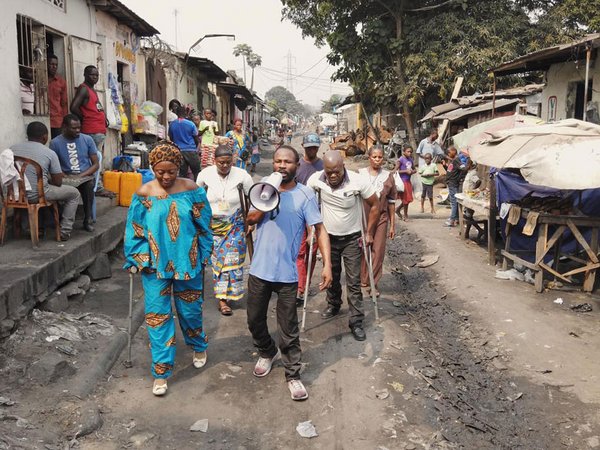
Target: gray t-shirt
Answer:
pixel 42 155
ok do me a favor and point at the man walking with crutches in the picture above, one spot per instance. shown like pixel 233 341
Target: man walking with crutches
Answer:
pixel 342 217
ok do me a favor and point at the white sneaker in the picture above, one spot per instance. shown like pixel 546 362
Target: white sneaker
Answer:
pixel 263 365
pixel 159 389
pixel 297 390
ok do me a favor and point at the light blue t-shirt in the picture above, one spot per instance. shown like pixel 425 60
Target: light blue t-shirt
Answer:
pixel 182 132
pixel 75 155
pixel 278 240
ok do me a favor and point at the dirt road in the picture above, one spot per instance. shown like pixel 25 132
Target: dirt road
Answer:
pixel 445 368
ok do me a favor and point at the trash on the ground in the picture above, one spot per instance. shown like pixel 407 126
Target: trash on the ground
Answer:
pixel 429 372
pixel 141 439
pixel 397 304
pixel 510 274
pixel 362 356
pixel 571 333
pixel 412 371
pixel 582 307
pixel 200 425
pixel 382 394
pixel 306 429
pixel 224 376
pixel 397 345
pixel 129 426
pixel 428 260
pixel 67 350
pixel 234 368
pixel 5 401
pixel 72 327
pixel 515 397
pixel 554 285
pixel 52 338
pixel 559 301
pixel 379 361
pixel 398 387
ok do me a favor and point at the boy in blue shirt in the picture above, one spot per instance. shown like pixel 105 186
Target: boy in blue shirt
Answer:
pixel 184 134
pixel 273 269
pixel 78 158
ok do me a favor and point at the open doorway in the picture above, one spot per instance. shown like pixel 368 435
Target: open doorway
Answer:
pixel 575 98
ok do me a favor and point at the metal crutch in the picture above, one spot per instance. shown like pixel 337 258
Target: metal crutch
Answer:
pixel 367 253
pixel 128 363
pixel 310 256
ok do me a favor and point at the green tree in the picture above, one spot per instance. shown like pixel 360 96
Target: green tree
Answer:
pixel 243 50
pixel 408 53
pixel 283 101
pixel 254 60
pixel 328 105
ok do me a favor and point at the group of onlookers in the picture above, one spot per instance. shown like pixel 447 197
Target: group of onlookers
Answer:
pixel 430 153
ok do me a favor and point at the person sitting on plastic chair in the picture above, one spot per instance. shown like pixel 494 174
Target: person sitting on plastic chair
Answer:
pixel 79 160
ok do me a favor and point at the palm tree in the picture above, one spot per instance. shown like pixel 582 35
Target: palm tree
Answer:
pixel 254 60
pixel 243 50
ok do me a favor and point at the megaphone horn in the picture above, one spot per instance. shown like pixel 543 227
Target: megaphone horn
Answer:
pixel 264 195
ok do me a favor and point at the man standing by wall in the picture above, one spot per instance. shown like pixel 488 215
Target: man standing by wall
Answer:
pixel 79 160
pixel 87 106
pixel 35 149
pixel 341 210
pixel 184 134
pixel 57 97
pixel 309 164
pixel 429 145
pixel 277 243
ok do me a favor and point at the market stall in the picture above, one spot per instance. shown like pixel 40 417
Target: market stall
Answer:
pixel 548 196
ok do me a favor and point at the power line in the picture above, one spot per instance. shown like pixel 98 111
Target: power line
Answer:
pixel 312 82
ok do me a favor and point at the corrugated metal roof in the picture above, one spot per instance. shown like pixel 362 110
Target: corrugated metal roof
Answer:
pixel 458 114
pixel 543 59
pixel 126 16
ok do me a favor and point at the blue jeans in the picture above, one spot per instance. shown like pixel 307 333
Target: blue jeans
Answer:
pixel 452 191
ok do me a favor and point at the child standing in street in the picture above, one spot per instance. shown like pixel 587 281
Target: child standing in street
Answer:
pixel 453 175
pixel 406 170
pixel 428 172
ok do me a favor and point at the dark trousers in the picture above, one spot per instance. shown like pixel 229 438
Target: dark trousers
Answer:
pixel 259 294
pixel 347 249
pixel 87 197
pixel 191 160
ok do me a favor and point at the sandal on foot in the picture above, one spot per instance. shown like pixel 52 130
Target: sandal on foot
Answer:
pixel 224 308
pixel 199 359
pixel 159 389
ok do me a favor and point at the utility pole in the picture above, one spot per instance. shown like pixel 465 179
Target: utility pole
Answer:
pixel 175 12
pixel 289 84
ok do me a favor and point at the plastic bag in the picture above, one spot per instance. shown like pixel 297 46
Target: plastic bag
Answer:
pixel 399 183
pixel 149 108
pixel 417 184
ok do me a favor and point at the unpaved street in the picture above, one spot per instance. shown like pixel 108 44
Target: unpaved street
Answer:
pixel 447 367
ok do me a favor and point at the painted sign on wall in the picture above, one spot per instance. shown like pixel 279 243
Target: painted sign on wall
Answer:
pixel 552 103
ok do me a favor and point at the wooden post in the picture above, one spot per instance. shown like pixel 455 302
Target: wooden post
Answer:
pixel 540 249
pixel 590 275
pixel 492 223
pixel 494 95
pixel 587 81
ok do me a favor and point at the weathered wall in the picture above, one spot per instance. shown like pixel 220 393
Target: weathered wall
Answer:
pixel 558 78
pixel 77 21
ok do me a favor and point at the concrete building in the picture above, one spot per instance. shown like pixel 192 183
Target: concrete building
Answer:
pixel 103 33
pixel 564 67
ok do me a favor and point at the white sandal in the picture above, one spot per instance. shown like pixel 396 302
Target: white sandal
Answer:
pixel 159 389
pixel 200 362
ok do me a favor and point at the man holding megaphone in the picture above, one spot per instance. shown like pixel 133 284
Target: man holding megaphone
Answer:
pixel 281 209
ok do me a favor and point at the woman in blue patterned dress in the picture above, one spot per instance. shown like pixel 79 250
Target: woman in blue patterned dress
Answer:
pixel 168 239
pixel 242 144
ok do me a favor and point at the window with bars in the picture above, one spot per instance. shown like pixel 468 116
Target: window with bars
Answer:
pixel 33 71
pixel 61 4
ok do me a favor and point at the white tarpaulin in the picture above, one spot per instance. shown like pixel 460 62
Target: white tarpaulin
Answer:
pixel 561 155
pixel 328 120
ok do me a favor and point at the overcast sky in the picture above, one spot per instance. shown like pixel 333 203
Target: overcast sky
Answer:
pixel 256 23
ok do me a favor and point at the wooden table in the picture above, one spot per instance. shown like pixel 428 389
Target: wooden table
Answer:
pixel 545 243
pixel 481 208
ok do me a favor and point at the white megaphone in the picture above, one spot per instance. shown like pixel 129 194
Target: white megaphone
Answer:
pixel 264 195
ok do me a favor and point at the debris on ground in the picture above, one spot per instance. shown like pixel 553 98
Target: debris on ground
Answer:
pixel 428 260
pixel 71 327
pixel 382 394
pixel 200 425
pixel 306 429
pixel 559 301
pixel 141 439
pixel 510 274
pixel 398 387
pixel 4 401
pixel 582 308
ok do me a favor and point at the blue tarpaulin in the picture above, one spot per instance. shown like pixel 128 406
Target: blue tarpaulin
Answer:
pixel 511 188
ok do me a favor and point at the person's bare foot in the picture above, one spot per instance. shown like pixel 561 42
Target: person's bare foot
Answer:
pixel 433 211
pixel 422 210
